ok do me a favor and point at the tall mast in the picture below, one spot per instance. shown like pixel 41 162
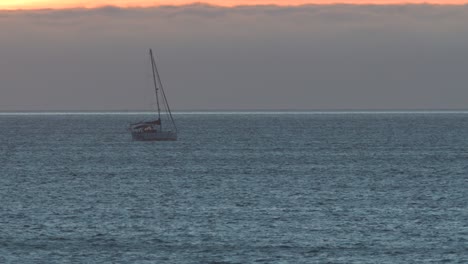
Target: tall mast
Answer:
pixel 153 66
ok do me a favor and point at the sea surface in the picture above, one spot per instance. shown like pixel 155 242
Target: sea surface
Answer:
pixel 235 188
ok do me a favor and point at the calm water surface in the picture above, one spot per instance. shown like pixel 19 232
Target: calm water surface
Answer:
pixel 235 188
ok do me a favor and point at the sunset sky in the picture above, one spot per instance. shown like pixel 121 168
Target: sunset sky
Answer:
pixel 38 4
pixel 251 57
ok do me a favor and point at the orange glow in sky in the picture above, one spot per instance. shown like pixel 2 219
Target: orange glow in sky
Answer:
pixel 58 4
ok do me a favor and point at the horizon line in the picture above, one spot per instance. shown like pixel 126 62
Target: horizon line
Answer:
pixel 207 4
pixel 231 112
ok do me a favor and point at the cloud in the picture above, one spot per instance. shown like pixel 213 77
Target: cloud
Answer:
pixel 255 57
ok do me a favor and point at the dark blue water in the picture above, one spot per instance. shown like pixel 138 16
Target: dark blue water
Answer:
pixel 235 188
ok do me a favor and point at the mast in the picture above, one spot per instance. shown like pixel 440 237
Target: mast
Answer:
pixel 153 66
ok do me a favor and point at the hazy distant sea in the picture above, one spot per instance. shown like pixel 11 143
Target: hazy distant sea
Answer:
pixel 236 188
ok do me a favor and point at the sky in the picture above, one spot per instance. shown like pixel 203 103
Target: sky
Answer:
pixel 306 57
pixel 34 4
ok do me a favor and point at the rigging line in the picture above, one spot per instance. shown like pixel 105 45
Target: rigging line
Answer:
pixel 164 95
pixel 169 113
pixel 153 66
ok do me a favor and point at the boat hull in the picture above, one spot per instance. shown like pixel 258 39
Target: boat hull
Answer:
pixel 154 136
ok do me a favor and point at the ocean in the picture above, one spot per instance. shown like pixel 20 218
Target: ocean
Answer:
pixel 293 187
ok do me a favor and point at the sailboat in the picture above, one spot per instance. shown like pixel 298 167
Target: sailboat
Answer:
pixel 164 127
